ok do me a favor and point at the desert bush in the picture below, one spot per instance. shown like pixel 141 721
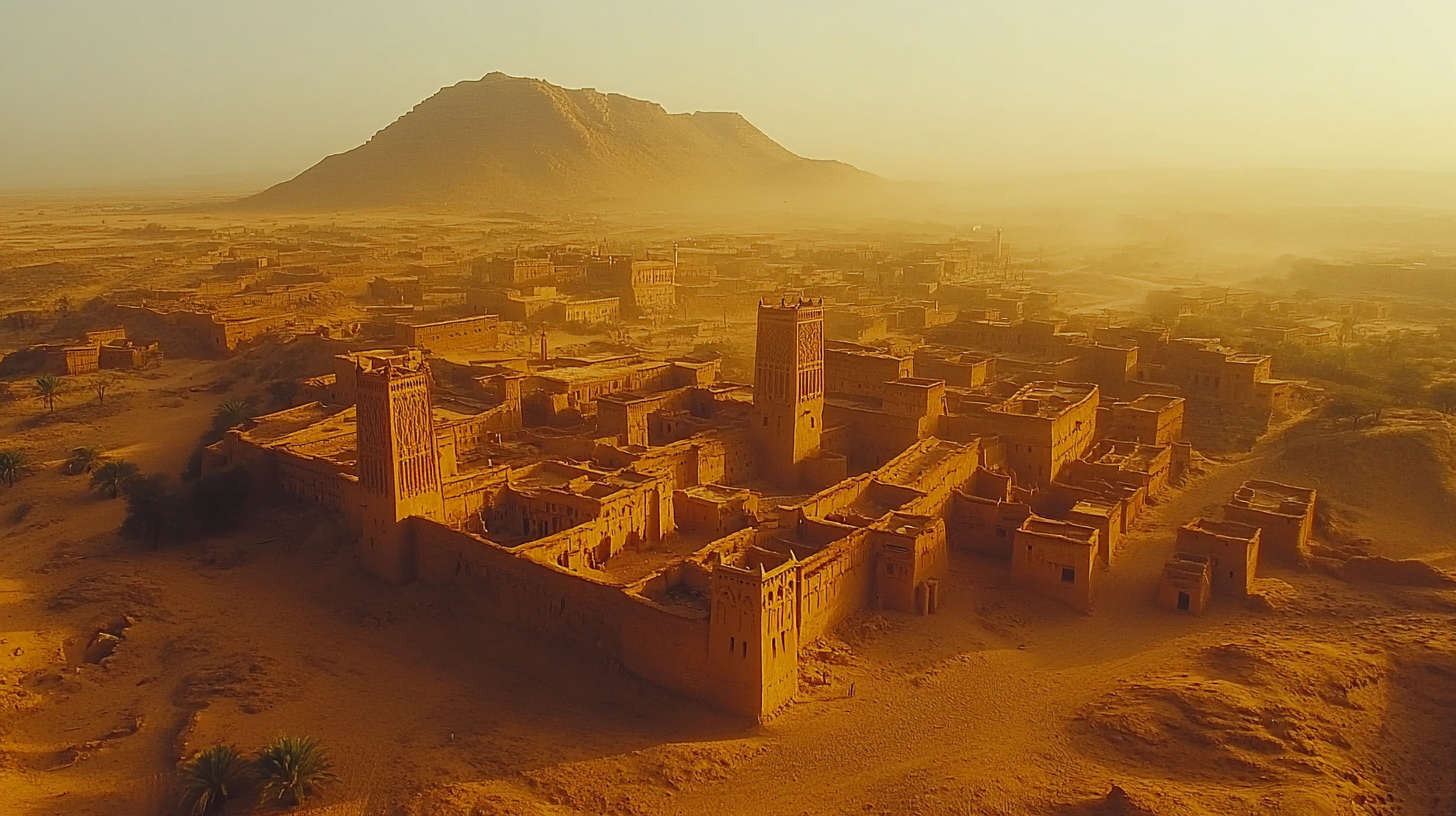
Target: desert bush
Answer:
pixel 212 778
pixel 292 770
pixel 152 508
pixel 114 476
pixel 84 459
pixel 1442 395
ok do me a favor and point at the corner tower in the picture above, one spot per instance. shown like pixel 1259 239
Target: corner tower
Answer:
pixel 753 634
pixel 399 462
pixel 788 387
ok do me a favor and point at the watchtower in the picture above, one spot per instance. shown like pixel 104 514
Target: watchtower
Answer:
pixel 399 463
pixel 753 636
pixel 788 387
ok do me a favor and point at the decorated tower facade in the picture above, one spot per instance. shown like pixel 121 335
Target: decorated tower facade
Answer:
pixel 788 388
pixel 398 462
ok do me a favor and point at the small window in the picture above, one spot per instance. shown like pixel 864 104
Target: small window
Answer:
pixel 1231 574
pixel 732 645
pixel 1069 575
pixel 1001 533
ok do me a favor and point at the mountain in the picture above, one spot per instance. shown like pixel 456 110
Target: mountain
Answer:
pixel 505 142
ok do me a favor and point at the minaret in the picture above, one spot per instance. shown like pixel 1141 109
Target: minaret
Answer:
pixel 788 387
pixel 398 463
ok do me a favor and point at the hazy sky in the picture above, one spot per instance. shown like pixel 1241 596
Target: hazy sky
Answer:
pixel 100 92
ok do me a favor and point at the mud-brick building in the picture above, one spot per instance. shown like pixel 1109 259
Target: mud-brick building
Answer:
pixel 1186 583
pixel 1146 466
pixel 956 368
pixel 1057 559
pixel 644 287
pixel 1151 419
pixel 576 388
pixel 1044 427
pixel 1232 549
pixel 511 271
pixel 852 369
pixel 1202 368
pixel 985 514
pixel 474 332
pixel 1283 513
pixel 84 358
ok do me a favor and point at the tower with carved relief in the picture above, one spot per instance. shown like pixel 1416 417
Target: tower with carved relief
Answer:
pixel 398 463
pixel 788 387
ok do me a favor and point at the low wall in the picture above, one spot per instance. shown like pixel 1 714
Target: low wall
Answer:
pixel 664 644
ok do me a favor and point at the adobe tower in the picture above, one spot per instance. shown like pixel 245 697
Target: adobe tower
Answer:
pixel 753 634
pixel 399 463
pixel 788 387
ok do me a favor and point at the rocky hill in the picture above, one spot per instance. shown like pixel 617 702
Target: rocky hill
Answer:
pixel 505 142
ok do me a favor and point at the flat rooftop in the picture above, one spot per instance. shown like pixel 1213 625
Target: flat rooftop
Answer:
pixel 572 375
pixel 1066 530
pixel 1154 402
pixel 1233 530
pixel 1046 399
pixel 1273 497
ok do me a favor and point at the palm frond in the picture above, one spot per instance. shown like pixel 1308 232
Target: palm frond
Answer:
pixel 211 778
pixel 292 769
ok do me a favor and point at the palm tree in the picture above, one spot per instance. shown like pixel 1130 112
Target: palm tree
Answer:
pixel 213 777
pixel 12 464
pixel 232 413
pixel 291 770
pixel 48 389
pixel 114 476
pixel 85 459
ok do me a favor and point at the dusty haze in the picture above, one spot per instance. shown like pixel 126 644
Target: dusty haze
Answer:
pixel 1059 398
pixel 95 93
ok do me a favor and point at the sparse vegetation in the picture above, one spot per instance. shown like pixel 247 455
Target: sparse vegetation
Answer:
pixel 1400 370
pixel 152 507
pixel 48 390
pixel 85 459
pixel 292 770
pixel 102 385
pixel 214 777
pixel 115 476
pixel 232 413
pixel 1442 395
pixel 12 465
pixel 1353 404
